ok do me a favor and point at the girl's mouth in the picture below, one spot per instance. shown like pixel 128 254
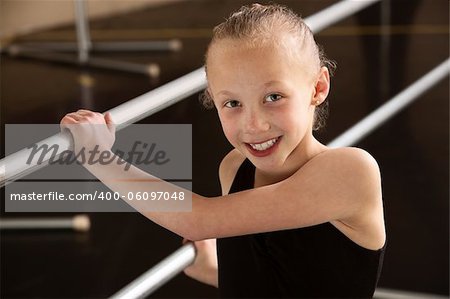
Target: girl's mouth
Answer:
pixel 264 148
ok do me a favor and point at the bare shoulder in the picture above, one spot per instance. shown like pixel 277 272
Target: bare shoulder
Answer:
pixel 348 154
pixel 349 161
pixel 349 167
pixel 356 176
pixel 228 169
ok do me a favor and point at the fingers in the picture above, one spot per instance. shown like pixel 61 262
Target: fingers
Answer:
pixel 87 112
pixel 89 129
pixel 108 118
pixel 68 119
pixel 109 122
pixel 91 116
pixel 75 116
pixel 80 116
pixel 83 116
pixel 83 113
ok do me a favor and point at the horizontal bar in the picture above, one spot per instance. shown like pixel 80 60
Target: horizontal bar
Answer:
pixel 392 107
pixel 382 293
pixel 78 223
pixel 336 12
pixel 159 274
pixel 151 70
pixel 159 98
pixel 14 166
pixel 169 45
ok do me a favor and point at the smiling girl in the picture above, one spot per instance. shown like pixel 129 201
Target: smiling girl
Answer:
pixel 296 218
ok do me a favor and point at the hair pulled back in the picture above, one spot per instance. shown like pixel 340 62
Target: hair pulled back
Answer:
pixel 257 24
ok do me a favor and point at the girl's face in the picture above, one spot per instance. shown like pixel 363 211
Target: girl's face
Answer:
pixel 265 100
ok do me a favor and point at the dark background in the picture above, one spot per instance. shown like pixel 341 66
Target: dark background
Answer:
pixel 374 64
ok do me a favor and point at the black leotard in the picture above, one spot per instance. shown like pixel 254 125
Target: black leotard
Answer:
pixel 312 262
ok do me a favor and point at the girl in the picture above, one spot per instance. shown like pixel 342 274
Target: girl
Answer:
pixel 296 218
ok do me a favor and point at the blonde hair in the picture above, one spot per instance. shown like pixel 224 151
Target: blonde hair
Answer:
pixel 258 24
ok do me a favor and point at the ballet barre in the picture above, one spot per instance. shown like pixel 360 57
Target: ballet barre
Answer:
pixel 378 117
pixel 151 69
pixel 15 166
pixel 336 12
pixel 50 51
pixel 159 274
pixel 382 293
pixel 80 223
pixel 138 46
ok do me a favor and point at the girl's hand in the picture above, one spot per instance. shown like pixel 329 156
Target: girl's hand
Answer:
pixel 204 267
pixel 90 130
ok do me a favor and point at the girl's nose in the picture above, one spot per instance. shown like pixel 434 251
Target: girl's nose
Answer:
pixel 256 122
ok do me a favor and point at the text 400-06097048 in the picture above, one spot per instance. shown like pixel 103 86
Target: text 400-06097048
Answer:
pixel 153 195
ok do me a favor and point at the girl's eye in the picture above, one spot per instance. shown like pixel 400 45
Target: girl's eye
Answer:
pixel 273 97
pixel 232 104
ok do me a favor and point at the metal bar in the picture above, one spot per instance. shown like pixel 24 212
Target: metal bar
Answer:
pixel 382 293
pixel 47 46
pixel 168 45
pixel 392 107
pixel 336 12
pixel 151 69
pixel 15 166
pixel 159 274
pixel 77 223
pixel 82 28
pixel 164 96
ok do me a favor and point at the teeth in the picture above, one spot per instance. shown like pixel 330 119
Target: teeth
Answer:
pixel 263 146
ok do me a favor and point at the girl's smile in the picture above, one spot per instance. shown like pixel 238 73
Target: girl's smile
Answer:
pixel 262 149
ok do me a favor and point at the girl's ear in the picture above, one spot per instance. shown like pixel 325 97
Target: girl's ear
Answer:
pixel 322 86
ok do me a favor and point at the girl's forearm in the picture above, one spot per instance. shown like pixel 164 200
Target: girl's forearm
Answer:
pixel 136 181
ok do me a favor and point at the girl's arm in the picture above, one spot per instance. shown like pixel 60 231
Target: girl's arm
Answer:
pixel 337 185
